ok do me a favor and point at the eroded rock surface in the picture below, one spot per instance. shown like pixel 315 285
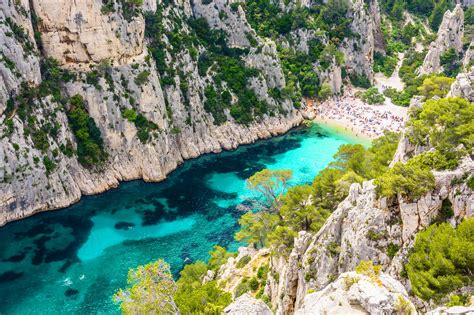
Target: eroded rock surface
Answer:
pixel 247 305
pixel 353 293
pixel 450 35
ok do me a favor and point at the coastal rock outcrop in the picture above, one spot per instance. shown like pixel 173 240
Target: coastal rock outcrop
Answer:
pixel 450 35
pixel 362 228
pixel 354 293
pixel 359 50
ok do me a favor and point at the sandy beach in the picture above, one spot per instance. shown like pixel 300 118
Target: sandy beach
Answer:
pixel 352 115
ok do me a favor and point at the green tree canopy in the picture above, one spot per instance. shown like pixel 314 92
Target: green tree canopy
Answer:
pixel 194 297
pixel 442 260
pixel 445 124
pixel 271 184
pixel 151 289
pixel 435 85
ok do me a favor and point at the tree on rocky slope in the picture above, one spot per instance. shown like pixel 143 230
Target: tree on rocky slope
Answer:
pixel 151 290
pixel 270 184
pixel 442 260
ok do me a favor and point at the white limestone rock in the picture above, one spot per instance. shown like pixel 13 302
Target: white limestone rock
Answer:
pixel 353 293
pixel 247 305
pixel 23 54
pixel 463 86
pixel 450 35
pixel 78 34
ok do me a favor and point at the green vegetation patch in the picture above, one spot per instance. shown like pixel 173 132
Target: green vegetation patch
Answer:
pixel 90 146
pixel 442 260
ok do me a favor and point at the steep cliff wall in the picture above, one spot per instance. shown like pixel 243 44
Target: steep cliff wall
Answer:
pixel 450 35
pixel 106 52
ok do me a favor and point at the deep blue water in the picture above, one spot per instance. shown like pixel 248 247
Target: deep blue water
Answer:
pixel 73 260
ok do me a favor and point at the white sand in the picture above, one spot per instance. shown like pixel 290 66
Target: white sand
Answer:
pixel 362 119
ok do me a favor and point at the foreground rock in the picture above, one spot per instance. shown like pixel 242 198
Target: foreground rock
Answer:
pixel 247 305
pixel 363 227
pixel 353 293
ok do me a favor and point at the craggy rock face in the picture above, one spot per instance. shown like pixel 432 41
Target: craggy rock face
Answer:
pixel 77 33
pixel 450 35
pixel 353 293
pixel 463 86
pixel 361 228
pixel 247 304
pixel 82 37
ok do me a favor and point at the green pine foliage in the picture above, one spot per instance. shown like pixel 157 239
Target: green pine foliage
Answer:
pixel 410 180
pixel 90 146
pixel 442 260
pixel 444 124
pixel 194 297
pixel 372 96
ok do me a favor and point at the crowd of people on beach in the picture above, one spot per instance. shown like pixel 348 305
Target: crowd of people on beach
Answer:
pixel 359 117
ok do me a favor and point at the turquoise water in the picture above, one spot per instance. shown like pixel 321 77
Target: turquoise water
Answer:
pixel 72 260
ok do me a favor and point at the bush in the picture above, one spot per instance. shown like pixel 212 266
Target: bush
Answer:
pixel 262 272
pixel 243 261
pixel 90 148
pixel 392 250
pixel 411 181
pixel 442 260
pixel 373 96
pixel 142 77
pixel 360 80
pixel 254 284
pixel 194 297
pixel 435 85
pixel 241 288
pixel 470 182
pixel 384 64
pixel 49 165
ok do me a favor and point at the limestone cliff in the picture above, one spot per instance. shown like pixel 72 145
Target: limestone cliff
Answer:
pixel 450 35
pixel 361 228
pixel 83 37
pixel 102 51
pixel 463 86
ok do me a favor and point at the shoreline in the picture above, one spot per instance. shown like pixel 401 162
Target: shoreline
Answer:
pixel 339 127
pixel 74 201
pixel 352 117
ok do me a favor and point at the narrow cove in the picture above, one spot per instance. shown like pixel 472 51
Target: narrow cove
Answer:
pixel 73 260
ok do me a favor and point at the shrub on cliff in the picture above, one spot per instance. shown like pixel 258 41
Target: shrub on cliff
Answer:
pixel 151 289
pixel 444 124
pixel 90 148
pixel 410 180
pixel 194 297
pixel 442 260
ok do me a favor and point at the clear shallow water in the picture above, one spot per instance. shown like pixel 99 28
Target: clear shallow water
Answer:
pixel 73 260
